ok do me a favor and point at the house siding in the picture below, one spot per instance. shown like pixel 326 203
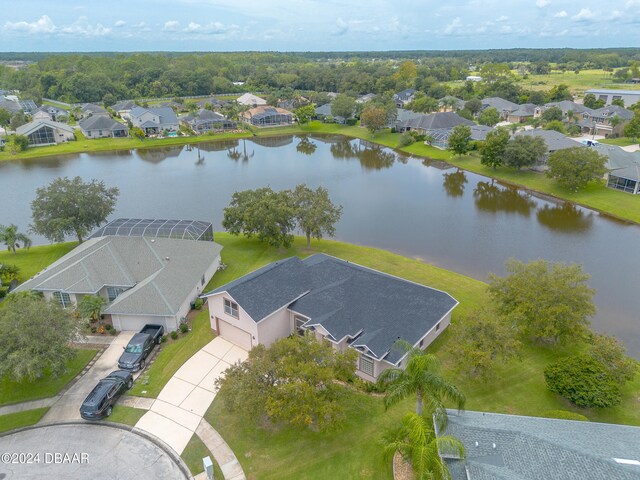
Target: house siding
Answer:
pixel 275 327
pixel 244 322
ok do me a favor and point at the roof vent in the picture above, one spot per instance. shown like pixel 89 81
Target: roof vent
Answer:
pixel 477 444
pixel 153 240
pixel 493 445
pixel 167 258
pixel 625 461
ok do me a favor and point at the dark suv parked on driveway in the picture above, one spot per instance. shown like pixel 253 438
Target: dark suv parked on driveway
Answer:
pixel 104 395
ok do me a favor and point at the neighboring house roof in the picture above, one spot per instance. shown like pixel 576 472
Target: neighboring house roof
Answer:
pixel 479 132
pixel 203 116
pixel 251 99
pixel 365 98
pixel 499 104
pixel 613 92
pixel 28 106
pixel 123 106
pixel 511 447
pixel 459 105
pixel 373 308
pixel 524 110
pixel 620 162
pixel 568 105
pixel 101 122
pixel 52 110
pixel 437 121
pixel 166 116
pixel 160 272
pixel 265 111
pixel 213 101
pixel 554 140
pixel 403 115
pixel 405 93
pixel 31 127
pixel 612 111
pixel 10 105
pixel 92 109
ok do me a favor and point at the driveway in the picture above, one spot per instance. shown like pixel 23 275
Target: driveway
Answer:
pixel 92 451
pixel 178 410
pixel 68 405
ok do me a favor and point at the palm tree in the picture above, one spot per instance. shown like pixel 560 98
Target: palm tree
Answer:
pixel 90 307
pixel 416 441
pixel 422 378
pixel 10 237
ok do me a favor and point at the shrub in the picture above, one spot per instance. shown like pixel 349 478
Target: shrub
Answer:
pixel 406 140
pixel 198 303
pixel 164 339
pixel 583 381
pixel 184 328
pixel 565 415
pixel 174 335
pixel 351 121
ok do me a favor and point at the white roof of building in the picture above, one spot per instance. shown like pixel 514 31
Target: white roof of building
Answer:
pixel 251 99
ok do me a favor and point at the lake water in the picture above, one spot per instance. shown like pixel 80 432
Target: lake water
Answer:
pixel 423 209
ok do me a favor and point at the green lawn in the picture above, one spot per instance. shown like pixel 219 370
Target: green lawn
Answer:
pixel 620 141
pixel 125 415
pixel 517 388
pixel 21 419
pixel 193 454
pixel 172 356
pixel 33 260
pixel 595 196
pixel 48 386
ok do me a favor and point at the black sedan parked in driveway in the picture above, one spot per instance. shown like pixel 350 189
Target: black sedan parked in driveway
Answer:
pixel 104 395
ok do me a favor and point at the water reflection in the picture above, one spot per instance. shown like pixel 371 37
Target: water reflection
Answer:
pixel 454 183
pixel 566 218
pixel 279 141
pixel 306 146
pixel 159 154
pixel 219 145
pixel 371 155
pixel 45 162
pixel 244 155
pixel 490 197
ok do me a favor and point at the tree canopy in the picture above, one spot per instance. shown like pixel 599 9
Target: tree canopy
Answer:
pixel 524 151
pixel 489 116
pixel 315 214
pixel 71 207
pixel 343 106
pixel 460 140
pixel 293 382
pixel 492 151
pixel 549 302
pixel 374 118
pixel 35 337
pixel 575 167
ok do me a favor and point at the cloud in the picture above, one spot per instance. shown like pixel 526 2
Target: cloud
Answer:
pixel 171 25
pixel 502 18
pixel 119 24
pixel 83 28
pixel 632 3
pixel 542 3
pixel 615 15
pixel 584 15
pixel 453 26
pixel 342 27
pixel 43 25
pixel 213 28
pixel 561 14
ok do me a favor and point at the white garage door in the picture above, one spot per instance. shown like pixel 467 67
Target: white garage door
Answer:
pixel 234 334
pixel 135 323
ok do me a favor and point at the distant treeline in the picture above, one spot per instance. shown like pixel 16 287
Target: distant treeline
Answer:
pixel 94 77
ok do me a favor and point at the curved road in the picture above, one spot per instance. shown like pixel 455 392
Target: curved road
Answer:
pixel 82 451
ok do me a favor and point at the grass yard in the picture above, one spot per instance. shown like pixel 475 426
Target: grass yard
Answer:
pixel 620 141
pixel 578 83
pixel 48 386
pixel 517 388
pixel 21 419
pixel 172 356
pixel 595 196
pixel 125 415
pixel 33 260
pixel 193 454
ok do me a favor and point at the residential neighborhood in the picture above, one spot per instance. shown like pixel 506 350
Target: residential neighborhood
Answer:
pixel 231 237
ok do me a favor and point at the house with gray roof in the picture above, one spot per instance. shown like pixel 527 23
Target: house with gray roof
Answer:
pixel 144 279
pixel 123 108
pixel 153 121
pixel 599 121
pixel 43 131
pixel 553 140
pixel 204 121
pixel 504 107
pixel 512 447
pixel 629 97
pixel 523 113
pixel 10 105
pixel 323 112
pixel 438 125
pixel 404 97
pixel 565 106
pixel 450 102
pixel 56 114
pixel 103 126
pixel 623 168
pixel 89 109
pixel 349 305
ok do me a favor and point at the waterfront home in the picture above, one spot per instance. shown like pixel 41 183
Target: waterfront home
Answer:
pixel 204 121
pixel 103 126
pixel 251 100
pixel 623 168
pixel 46 132
pixel 266 116
pixel 154 120
pixel 438 125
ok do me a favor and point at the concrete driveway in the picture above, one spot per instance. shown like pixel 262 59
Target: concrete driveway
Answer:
pixel 68 405
pixel 178 410
pixel 82 451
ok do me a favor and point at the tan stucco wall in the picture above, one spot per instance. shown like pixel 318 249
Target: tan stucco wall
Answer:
pixel 244 322
pixel 275 326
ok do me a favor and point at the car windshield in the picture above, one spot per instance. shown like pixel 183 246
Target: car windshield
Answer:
pixel 133 349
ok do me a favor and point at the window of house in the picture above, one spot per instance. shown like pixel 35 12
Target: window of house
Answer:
pixel 202 280
pixel 299 321
pixel 421 342
pixel 437 326
pixel 62 298
pixel 366 365
pixel 114 292
pixel 231 308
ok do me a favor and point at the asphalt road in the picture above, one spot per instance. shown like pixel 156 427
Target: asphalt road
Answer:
pixel 83 451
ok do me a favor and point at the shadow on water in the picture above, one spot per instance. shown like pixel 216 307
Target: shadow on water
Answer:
pixel 489 197
pixel 453 183
pixel 565 218
pixel 218 146
pixel 52 162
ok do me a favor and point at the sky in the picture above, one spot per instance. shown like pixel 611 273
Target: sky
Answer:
pixel 316 25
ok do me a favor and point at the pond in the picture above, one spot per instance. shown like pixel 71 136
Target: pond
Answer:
pixel 420 208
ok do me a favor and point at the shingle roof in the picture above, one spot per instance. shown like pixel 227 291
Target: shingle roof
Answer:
pixel 530 448
pixel 124 105
pixel 10 105
pixel 499 104
pixel 554 140
pixel 611 111
pixel 101 122
pixel 346 299
pixel 92 108
pixel 437 121
pixel 251 99
pixel 524 110
pixel 160 273
pixel 620 162
pixel 27 128
pixel 479 132
pixel 568 105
